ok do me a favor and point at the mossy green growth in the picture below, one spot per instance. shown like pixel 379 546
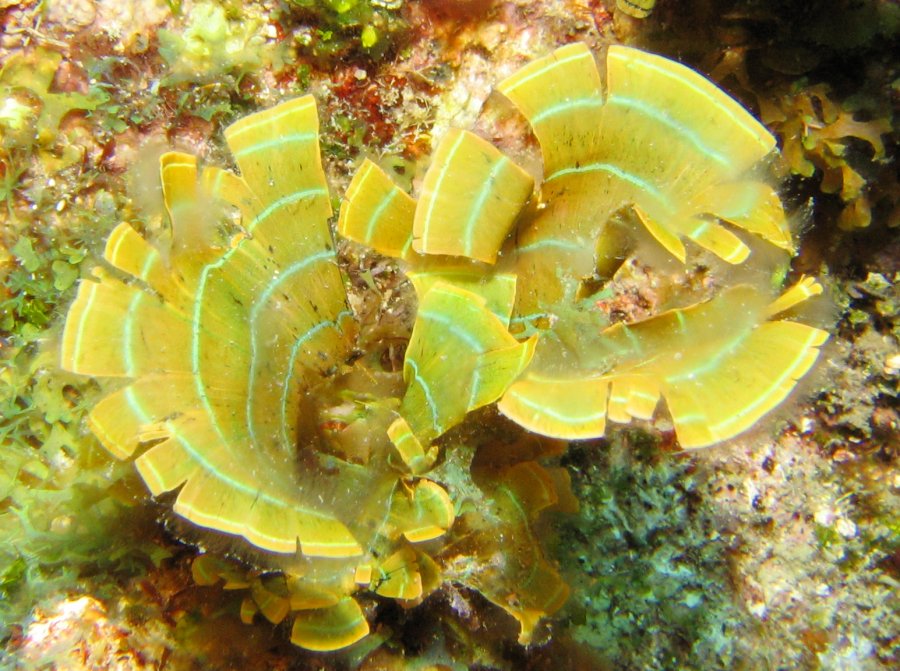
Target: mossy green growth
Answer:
pixel 64 504
pixel 214 44
pixel 649 564
pixel 26 80
pixel 340 28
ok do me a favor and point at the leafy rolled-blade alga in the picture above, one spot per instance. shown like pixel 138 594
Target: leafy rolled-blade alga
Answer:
pixel 663 147
pixel 234 345
pixel 235 348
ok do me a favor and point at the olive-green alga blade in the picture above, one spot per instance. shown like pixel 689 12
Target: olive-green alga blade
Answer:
pixel 414 455
pixel 398 576
pixel 222 337
pixel 471 196
pixel 639 9
pixel 331 628
pixel 454 363
pixel 719 365
pixel 423 512
pixel 516 577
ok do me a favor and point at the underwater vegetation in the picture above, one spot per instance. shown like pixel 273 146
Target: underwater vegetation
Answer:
pixel 253 397
pixel 346 28
pixel 818 138
pixel 819 77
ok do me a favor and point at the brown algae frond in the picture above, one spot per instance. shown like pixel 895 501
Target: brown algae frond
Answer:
pixel 244 391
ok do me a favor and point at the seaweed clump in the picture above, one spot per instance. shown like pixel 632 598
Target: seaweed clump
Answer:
pixel 340 29
pixel 58 491
pixel 213 45
pixel 244 381
pixel 819 137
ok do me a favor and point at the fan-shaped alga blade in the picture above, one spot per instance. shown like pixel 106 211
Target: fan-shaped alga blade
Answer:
pixel 672 149
pixel 222 336
pixel 719 365
pixel 664 143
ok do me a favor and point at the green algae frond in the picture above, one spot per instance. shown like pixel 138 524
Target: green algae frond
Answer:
pixel 212 45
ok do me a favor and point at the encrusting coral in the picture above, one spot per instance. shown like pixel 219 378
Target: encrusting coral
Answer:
pixel 236 347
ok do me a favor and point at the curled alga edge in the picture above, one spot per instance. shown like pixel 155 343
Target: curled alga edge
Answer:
pixel 243 391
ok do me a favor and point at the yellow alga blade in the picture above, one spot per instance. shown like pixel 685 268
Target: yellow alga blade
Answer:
pixel 277 153
pixel 332 628
pixel 662 143
pixel 718 365
pixel 560 96
pixel 663 234
pixel 208 569
pixel 224 338
pixel 279 291
pixel 190 214
pixel 670 110
pixel 806 287
pixel 178 174
pixel 128 251
pixel 715 238
pixel 115 329
pixel 223 185
pixel 411 451
pixel 569 408
pixel 306 595
pixel 283 281
pixel 137 413
pixel 424 512
pixel 273 606
pixel 495 369
pixel 398 576
pixel 751 206
pixel 167 465
pixel 248 610
pixel 657 107
pixel 377 213
pixel 720 402
pixel 639 9
pixel 444 367
pixel 632 397
pixel 470 198
pixel 268 519
pixel 497 289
